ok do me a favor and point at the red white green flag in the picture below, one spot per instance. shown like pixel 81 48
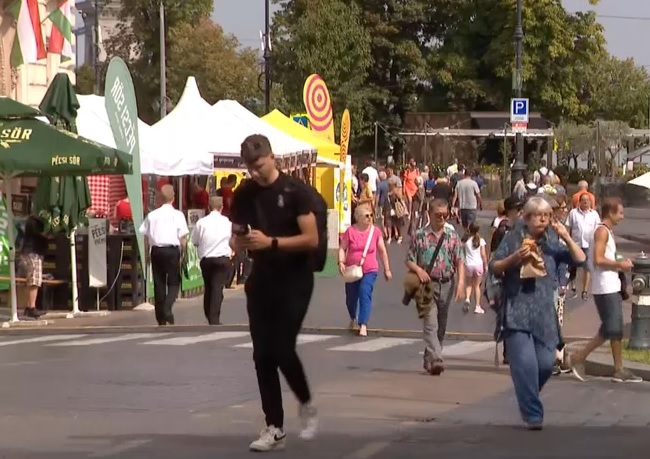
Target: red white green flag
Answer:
pixel 61 35
pixel 29 46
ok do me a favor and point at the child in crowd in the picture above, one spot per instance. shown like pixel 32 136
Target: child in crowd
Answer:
pixel 475 266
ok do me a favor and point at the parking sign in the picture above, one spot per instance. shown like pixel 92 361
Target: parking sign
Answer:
pixel 519 110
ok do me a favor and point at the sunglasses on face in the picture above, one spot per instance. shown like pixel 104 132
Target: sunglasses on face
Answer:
pixel 442 215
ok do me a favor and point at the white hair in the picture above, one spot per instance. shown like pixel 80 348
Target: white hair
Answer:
pixel 361 210
pixel 535 205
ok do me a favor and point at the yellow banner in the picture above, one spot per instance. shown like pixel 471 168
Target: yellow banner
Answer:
pixel 343 179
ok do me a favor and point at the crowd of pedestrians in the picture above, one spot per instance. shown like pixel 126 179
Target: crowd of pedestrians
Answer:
pixel 538 242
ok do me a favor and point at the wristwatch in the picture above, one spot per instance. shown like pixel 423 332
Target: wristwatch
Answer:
pixel 274 243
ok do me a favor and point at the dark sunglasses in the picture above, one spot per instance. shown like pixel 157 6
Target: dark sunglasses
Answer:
pixel 442 215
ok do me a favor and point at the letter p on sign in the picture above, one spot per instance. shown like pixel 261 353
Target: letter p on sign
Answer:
pixel 519 110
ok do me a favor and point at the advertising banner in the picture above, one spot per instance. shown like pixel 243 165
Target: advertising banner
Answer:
pixel 4 243
pixel 122 109
pixel 97 269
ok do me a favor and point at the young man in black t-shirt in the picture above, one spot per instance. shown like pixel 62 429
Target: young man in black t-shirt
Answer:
pixel 278 227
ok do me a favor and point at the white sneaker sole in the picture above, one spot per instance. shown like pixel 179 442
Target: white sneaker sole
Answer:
pixel 266 448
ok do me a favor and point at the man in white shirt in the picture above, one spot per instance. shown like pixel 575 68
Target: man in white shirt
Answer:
pixel 165 231
pixel 211 235
pixel 582 222
pixel 373 176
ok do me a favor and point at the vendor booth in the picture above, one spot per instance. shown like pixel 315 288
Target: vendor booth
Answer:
pixel 237 123
pixel 326 177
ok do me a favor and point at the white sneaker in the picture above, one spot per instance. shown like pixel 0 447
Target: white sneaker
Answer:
pixel 308 421
pixel 271 439
pixel 479 310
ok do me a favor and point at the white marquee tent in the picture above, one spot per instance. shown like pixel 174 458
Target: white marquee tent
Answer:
pixel 93 123
pixel 233 113
pixel 184 133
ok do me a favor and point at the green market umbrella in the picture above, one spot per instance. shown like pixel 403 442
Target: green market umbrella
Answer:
pixel 30 147
pixel 62 202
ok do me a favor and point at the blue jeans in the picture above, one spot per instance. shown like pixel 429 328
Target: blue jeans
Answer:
pixel 531 365
pixel 358 298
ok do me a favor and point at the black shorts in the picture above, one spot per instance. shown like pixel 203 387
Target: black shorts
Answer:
pixel 610 311
pixel 467 217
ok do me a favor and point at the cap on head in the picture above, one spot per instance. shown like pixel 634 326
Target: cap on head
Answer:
pixel 254 147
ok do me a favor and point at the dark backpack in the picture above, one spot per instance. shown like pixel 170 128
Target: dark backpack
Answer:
pixel 318 257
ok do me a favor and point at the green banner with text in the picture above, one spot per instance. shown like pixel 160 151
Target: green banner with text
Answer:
pixel 122 109
pixel 4 243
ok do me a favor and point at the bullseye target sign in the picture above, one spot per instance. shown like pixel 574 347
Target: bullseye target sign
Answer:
pixel 318 105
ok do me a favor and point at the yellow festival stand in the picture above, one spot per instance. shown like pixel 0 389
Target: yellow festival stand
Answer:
pixel 326 177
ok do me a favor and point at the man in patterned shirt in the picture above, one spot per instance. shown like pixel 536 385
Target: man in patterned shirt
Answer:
pixel 446 278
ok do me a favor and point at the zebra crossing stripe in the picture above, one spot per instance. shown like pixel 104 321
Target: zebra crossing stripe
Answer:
pixel 374 345
pixel 40 339
pixel 185 340
pixel 109 339
pixel 302 339
pixel 465 348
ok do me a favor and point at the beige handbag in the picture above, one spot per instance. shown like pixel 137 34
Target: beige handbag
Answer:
pixel 354 273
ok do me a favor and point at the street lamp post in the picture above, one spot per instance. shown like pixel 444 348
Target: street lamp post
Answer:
pixel 96 49
pixel 267 55
pixel 519 167
pixel 163 63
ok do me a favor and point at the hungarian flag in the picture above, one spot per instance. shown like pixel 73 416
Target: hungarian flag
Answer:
pixel 29 46
pixel 61 35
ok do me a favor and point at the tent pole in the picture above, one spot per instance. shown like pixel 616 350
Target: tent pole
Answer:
pixel 73 273
pixel 12 249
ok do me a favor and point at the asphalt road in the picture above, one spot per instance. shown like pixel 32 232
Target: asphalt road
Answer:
pixel 113 396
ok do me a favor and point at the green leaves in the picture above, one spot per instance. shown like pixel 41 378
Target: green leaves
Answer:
pixel 328 38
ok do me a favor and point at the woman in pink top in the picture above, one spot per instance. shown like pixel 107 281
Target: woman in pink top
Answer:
pixel 358 295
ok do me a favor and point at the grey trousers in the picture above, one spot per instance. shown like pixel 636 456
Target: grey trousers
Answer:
pixel 435 323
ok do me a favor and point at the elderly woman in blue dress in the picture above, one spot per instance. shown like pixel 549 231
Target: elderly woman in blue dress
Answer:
pixel 530 324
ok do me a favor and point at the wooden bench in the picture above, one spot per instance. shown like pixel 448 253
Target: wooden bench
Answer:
pixel 47 291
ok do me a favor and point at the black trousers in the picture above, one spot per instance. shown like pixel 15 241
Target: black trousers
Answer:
pixel 277 303
pixel 215 271
pixel 166 270
pixel 240 269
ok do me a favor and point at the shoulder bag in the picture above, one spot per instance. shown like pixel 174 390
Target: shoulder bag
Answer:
pixel 354 273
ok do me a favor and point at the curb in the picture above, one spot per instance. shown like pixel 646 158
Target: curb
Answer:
pixel 338 331
pixel 600 365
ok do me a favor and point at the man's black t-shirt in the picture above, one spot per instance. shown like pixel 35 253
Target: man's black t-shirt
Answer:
pixel 273 210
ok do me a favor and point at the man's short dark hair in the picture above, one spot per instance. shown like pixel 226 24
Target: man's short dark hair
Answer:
pixel 254 147
pixel 610 206
pixel 232 178
pixel 438 203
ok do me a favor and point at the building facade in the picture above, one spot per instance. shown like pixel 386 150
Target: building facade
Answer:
pixel 28 83
pixel 108 25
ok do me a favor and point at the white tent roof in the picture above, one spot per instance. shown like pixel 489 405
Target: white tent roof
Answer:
pixel 241 123
pixel 184 133
pixel 93 123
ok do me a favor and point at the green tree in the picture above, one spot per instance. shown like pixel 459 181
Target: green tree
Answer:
pixel 402 33
pixel 326 37
pixel 473 66
pixel 620 91
pixel 138 42
pixel 85 79
pixel 223 69
pixel 574 141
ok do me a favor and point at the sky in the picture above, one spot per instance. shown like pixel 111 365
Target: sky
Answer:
pixel 626 37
